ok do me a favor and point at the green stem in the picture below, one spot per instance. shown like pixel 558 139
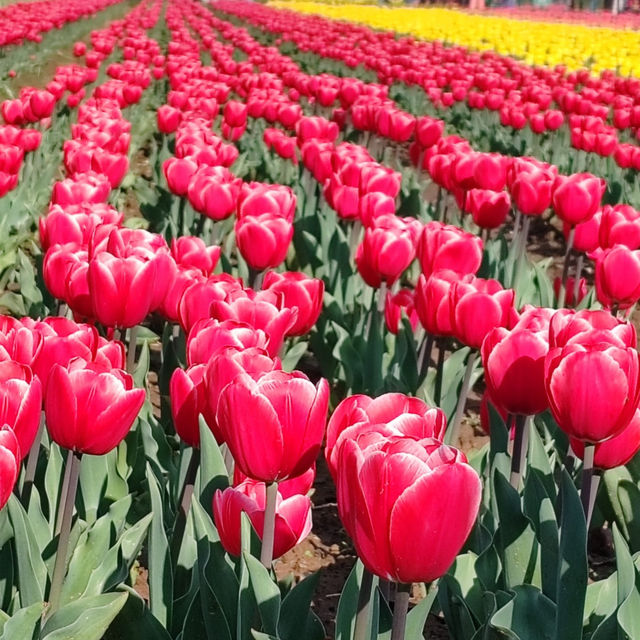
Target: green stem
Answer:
pixel 520 447
pixel 437 394
pixel 63 491
pixel 266 552
pixel 454 432
pixel 131 349
pixel 32 463
pixel 63 541
pixel 565 268
pixel 589 482
pixel 364 602
pixel 424 358
pixel 400 610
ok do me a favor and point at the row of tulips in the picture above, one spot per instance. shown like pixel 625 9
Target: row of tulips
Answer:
pixel 451 76
pixel 390 446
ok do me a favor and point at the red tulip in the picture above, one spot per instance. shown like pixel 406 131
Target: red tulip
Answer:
pixel 391 414
pixel 178 173
pixel 477 306
pixel 387 250
pixel 531 185
pixel 428 130
pixel 10 458
pixel 300 292
pixel 433 303
pixel 577 197
pixel 514 368
pixel 20 402
pixel 90 408
pixel 274 427
pixel 189 399
pixel 569 326
pixel 444 246
pixel 593 387
pixel 263 240
pixel 192 252
pixel 397 305
pixel 208 337
pixel 618 277
pixel 489 209
pixel 168 118
pixel 569 298
pixel 619 224
pixel 292 519
pixel 616 451
pixel 257 199
pixel 398 496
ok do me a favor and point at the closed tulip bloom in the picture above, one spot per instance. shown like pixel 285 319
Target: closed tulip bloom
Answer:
pixel 300 485
pixel 577 197
pixel 429 130
pixel 257 199
pixel 617 451
pixel 299 291
pixel 489 209
pixel 19 343
pixel 398 305
pixel 208 337
pixel 618 277
pixel 121 289
pixel 490 171
pixel 433 303
pixel 195 303
pixel 10 458
pixel 81 188
pixel 316 127
pixel 531 190
pixel 228 364
pixel 178 173
pixel 586 234
pixel 189 399
pixel 375 177
pixel 514 368
pixel 274 427
pixel 400 496
pixel 292 519
pixel 20 402
pixel 619 224
pixel 213 192
pixel 570 300
pixel 569 326
pixel 90 408
pixel 593 387
pixel 263 240
pixel 235 113
pixel 443 246
pixel 168 118
pixel 261 310
pixel 387 250
pixel 478 306
pixel 391 414
pixel 190 251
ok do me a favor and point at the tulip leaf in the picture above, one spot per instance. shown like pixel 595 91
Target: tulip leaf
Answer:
pixel 628 589
pixel 417 617
pixel 348 603
pixel 266 593
pixel 296 618
pixel 529 614
pixel 32 572
pixel 7 576
pixel 3 620
pixel 88 618
pixel 23 623
pixel 460 621
pixel 573 567
pixel 601 602
pixel 629 500
pixel 160 570
pixel 213 472
pixel 518 546
pixel 135 618
pixel 293 355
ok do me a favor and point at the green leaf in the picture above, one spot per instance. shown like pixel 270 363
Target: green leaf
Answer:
pixel 136 620
pixel 23 623
pixel 213 471
pixel 518 545
pixel 629 499
pixel 160 570
pixel 296 619
pixel 32 572
pixel 86 618
pixel 572 566
pixel 266 593
pixel 628 589
pixel 293 355
pixel 348 603
pixel 530 614
pixel 417 617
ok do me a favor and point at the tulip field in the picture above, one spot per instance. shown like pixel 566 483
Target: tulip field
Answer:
pixel 318 321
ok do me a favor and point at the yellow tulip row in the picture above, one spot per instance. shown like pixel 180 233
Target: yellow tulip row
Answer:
pixel 540 43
